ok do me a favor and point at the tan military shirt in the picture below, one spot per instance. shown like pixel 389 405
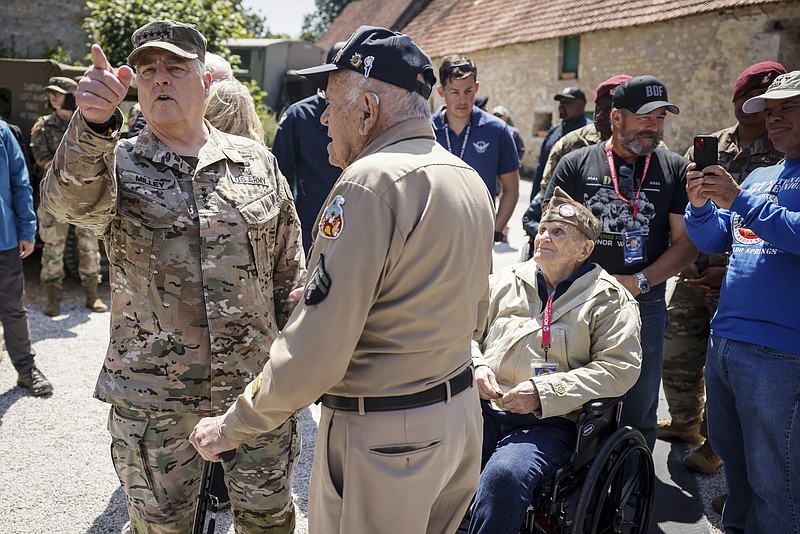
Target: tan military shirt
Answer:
pixel 202 261
pixel 46 135
pixel 594 338
pixel 404 248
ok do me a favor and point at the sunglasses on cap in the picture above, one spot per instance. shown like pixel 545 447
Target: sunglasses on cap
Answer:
pixel 462 70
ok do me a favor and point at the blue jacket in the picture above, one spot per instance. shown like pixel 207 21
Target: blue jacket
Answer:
pixel 758 299
pixel 490 148
pixel 16 194
pixel 301 147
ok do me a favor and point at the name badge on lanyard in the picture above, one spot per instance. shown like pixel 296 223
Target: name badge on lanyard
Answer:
pixel 633 248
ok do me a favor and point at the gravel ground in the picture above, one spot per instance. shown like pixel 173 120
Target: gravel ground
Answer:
pixel 57 471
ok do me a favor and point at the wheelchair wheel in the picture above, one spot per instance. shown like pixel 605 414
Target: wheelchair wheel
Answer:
pixel 617 494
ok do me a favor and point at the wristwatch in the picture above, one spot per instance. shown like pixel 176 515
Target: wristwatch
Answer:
pixel 644 283
pixel 498 236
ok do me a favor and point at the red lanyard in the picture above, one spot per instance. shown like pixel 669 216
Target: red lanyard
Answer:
pixel 614 180
pixel 547 317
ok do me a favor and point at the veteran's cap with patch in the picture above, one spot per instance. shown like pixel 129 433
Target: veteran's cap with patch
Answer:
pixel 643 94
pixel 181 39
pixel 785 86
pixel 61 84
pixel 382 54
pixel 563 208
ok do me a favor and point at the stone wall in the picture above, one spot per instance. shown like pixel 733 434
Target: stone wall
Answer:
pixel 698 58
pixel 31 28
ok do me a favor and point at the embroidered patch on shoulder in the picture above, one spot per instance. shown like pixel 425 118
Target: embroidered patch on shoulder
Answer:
pixel 331 224
pixel 320 284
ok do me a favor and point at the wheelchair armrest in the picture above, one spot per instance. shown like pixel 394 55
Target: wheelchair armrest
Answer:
pixel 598 407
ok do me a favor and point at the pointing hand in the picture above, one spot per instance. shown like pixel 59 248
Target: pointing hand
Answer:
pixel 101 89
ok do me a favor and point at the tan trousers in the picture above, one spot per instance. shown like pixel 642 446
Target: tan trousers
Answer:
pixel 396 472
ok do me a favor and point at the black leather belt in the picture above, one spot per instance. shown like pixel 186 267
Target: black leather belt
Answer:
pixel 433 395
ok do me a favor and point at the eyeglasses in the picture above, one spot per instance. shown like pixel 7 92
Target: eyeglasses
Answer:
pixel 462 70
pixel 626 178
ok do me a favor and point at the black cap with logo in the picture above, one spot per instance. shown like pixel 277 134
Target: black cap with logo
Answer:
pixel 643 94
pixel 570 93
pixel 381 54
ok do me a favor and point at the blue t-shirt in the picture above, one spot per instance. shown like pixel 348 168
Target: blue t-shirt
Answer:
pixel 301 147
pixel 759 296
pixel 487 144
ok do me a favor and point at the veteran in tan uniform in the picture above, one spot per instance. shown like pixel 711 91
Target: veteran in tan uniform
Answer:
pixel 384 328
pixel 204 245
pixel 46 135
pixel 560 332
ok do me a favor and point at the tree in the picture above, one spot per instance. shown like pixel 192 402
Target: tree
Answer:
pixel 112 22
pixel 317 23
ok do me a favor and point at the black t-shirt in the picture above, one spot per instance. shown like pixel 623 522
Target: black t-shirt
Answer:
pixel 584 175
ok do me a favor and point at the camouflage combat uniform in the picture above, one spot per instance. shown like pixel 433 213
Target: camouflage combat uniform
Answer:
pixel 46 134
pixel 202 263
pixel 691 309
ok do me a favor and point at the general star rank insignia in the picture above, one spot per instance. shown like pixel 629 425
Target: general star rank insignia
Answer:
pixel 319 285
pixel 331 224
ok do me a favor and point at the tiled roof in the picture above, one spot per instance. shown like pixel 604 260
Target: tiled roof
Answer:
pixel 452 26
pixel 384 13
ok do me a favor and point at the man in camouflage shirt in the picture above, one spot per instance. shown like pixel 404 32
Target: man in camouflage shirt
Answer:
pixel 204 245
pixel 46 135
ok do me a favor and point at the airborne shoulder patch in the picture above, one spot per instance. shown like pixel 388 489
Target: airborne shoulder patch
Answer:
pixel 319 285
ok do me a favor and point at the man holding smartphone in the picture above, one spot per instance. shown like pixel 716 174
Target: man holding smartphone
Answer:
pixel 753 363
pixel 637 191
pixel 741 149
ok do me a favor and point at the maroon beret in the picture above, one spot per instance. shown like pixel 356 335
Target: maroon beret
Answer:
pixel 605 87
pixel 757 76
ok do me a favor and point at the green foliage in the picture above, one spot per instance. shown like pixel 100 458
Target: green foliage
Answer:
pixel 317 23
pixel 62 56
pixel 268 119
pixel 112 22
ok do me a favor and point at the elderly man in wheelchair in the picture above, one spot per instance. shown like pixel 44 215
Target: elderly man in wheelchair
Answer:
pixel 560 332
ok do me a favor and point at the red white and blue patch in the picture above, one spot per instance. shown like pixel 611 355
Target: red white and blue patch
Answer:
pixel 331 224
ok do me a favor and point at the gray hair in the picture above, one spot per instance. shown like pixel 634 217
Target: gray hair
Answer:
pixel 398 104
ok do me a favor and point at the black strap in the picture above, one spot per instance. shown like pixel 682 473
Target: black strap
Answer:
pixel 430 396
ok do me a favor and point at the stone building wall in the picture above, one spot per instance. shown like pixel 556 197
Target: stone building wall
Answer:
pixel 31 28
pixel 698 58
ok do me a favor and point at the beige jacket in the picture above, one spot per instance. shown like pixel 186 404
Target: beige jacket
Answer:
pixel 594 338
pixel 408 282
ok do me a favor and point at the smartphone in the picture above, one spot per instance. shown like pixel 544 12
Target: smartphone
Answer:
pixel 705 151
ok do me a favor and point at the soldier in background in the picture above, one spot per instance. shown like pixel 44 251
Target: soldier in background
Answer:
pixel 46 135
pixel 742 148
pixel 204 246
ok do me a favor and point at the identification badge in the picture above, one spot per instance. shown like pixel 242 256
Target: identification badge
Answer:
pixel 545 369
pixel 633 247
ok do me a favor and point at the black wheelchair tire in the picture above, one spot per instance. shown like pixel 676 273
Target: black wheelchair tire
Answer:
pixel 613 487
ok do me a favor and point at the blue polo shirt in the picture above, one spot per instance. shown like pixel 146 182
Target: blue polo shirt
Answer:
pixel 489 149
pixel 301 148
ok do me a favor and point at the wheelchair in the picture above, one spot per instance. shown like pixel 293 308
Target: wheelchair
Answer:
pixel 606 487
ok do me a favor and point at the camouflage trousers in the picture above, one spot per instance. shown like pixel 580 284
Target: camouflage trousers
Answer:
pixel 685 342
pixel 53 234
pixel 160 471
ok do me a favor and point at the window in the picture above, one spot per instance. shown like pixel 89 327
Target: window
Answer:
pixel 570 56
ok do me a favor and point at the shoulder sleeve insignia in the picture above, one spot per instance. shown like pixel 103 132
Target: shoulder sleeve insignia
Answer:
pixel 319 285
pixel 256 386
pixel 332 222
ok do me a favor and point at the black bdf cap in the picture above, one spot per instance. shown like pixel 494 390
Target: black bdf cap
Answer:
pixel 642 95
pixel 381 54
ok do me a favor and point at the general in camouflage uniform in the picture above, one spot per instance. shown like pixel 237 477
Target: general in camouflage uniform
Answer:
pixel 204 252
pixel 692 306
pixel 45 138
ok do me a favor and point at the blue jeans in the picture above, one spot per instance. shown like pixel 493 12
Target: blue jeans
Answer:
pixel 519 451
pixel 641 403
pixel 753 410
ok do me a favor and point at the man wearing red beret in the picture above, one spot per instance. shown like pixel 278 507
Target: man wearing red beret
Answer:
pixel 742 148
